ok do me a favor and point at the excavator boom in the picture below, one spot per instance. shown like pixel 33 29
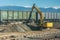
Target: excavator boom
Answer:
pixel 40 13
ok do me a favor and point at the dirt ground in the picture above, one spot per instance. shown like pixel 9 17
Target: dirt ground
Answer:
pixel 56 25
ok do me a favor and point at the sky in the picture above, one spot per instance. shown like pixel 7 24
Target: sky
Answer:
pixel 29 3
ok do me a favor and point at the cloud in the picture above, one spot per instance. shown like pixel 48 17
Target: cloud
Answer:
pixel 27 6
pixel 46 7
pixel 56 7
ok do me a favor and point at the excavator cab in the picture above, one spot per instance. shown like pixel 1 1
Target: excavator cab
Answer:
pixel 41 22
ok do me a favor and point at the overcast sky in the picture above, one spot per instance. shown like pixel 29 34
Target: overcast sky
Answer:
pixel 28 3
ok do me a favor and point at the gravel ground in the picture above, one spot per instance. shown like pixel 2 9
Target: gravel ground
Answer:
pixel 57 25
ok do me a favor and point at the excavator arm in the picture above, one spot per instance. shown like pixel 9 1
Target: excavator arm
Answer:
pixel 40 13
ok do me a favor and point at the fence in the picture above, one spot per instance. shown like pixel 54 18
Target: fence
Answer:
pixel 19 15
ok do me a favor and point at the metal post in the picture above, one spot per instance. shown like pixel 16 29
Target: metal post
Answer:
pixel 45 15
pixel 12 15
pixel 56 15
pixel 34 16
pixel 48 16
pixel 27 15
pixel 18 15
pixel 22 14
pixel 51 16
pixel 7 16
pixel 0 16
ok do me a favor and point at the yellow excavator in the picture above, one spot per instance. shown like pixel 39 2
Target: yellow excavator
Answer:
pixel 41 22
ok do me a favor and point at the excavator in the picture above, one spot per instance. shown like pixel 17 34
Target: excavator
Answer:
pixel 41 23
